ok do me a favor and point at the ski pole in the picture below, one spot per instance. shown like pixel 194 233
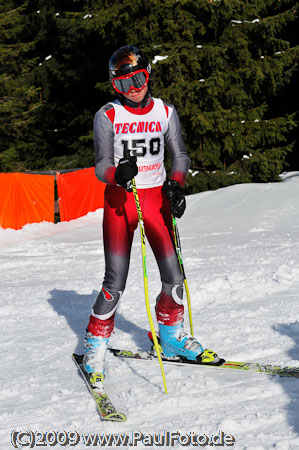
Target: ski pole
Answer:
pixel 150 319
pixel 179 254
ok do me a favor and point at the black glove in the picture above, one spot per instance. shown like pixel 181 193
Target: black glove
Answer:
pixel 174 194
pixel 126 170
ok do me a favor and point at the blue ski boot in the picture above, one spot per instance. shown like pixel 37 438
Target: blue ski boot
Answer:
pixel 94 355
pixel 175 342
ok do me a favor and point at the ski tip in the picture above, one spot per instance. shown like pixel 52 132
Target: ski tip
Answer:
pixel 115 417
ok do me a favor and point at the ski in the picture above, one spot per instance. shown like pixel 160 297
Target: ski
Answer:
pixel 104 405
pixel 230 365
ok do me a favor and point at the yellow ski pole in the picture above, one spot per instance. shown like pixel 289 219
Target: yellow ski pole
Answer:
pixel 180 258
pixel 142 233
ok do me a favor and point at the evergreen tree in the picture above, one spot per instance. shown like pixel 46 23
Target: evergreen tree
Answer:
pixel 19 97
pixel 224 64
pixel 224 77
pixel 229 67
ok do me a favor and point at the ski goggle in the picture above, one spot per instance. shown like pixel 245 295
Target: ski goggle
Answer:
pixel 135 80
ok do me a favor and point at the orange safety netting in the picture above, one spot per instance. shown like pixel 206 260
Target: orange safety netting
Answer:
pixel 25 198
pixel 79 192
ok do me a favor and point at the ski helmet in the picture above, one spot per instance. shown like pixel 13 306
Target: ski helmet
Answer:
pixel 129 68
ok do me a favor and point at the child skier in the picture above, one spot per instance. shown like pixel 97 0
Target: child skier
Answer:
pixel 129 136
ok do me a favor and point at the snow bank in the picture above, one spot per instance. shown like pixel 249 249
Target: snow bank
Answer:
pixel 241 256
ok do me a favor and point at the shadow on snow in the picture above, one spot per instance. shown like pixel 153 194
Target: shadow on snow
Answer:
pixel 76 309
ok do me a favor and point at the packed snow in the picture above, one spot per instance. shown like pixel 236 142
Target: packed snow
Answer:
pixel 241 256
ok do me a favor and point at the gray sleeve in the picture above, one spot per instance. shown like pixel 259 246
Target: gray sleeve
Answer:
pixel 176 147
pixel 104 146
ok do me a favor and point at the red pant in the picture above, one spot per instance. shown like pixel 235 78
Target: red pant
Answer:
pixel 119 222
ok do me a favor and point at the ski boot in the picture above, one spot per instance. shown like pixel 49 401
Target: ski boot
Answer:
pixel 175 342
pixel 94 358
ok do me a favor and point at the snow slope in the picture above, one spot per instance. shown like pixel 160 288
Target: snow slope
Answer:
pixel 241 256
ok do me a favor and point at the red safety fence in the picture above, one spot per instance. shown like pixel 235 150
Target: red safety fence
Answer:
pixel 30 198
pixel 79 192
pixel 25 198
